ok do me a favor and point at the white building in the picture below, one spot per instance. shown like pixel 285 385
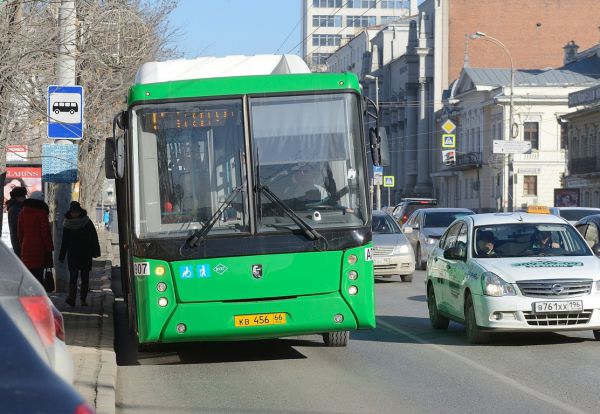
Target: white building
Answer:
pixel 479 104
pixel 329 24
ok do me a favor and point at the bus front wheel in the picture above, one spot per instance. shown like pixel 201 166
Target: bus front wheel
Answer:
pixel 338 338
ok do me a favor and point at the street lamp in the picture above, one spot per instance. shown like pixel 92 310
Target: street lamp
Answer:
pixel 511 130
pixel 376 79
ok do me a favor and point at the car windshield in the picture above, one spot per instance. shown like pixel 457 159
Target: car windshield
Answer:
pixel 442 218
pixel 528 240
pixel 384 224
pixel 576 214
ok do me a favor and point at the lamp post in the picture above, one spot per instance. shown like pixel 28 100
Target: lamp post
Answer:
pixel 511 131
pixel 376 79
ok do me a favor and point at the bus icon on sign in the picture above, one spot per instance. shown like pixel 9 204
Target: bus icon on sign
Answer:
pixel 70 107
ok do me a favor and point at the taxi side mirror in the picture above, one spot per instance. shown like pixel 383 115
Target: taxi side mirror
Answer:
pixel 596 249
pixel 455 253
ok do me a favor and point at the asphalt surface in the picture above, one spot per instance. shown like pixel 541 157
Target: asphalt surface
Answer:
pixel 402 366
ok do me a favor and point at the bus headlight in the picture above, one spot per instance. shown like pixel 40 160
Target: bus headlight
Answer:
pixel 163 302
pixel 494 285
pixel 352 275
pixel 352 259
pixel 161 287
pixel 352 290
pixel 159 271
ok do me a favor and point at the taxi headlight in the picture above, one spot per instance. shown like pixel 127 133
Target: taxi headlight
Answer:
pixel 401 249
pixel 597 285
pixel 494 285
pixel 430 240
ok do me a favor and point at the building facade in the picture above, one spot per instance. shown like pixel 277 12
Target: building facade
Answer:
pixel 329 24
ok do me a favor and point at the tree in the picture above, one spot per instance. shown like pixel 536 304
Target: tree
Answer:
pixel 113 39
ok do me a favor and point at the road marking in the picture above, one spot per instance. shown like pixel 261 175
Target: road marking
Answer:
pixel 503 378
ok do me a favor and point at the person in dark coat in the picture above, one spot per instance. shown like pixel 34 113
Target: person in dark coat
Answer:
pixel 17 196
pixel 79 244
pixel 35 239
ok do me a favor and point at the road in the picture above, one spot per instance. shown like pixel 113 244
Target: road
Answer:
pixel 402 366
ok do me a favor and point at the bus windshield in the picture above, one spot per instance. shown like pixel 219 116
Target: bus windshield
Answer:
pixel 307 151
pixel 190 160
pixel 191 157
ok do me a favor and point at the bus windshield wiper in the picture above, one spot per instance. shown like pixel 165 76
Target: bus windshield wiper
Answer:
pixel 310 232
pixel 201 233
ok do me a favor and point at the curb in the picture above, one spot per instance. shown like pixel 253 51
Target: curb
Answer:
pixel 106 383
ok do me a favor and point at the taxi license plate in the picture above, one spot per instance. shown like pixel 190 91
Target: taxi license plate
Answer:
pixel 553 307
pixel 260 319
pixel 379 262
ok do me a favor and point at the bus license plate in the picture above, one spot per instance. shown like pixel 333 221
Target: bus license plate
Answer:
pixel 260 319
pixel 563 306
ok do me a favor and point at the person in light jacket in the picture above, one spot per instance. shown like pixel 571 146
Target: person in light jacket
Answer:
pixel 79 244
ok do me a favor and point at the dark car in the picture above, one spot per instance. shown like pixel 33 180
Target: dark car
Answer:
pixel 589 227
pixel 27 383
pixel 407 206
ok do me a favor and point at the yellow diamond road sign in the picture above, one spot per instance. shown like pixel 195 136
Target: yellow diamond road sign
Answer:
pixel 448 126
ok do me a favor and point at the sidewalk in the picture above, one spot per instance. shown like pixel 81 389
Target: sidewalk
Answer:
pixel 89 333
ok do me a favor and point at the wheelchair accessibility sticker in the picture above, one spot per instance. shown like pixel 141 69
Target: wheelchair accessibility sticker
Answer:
pixel 186 272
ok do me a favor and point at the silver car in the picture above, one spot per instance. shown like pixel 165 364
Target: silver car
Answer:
pixel 425 226
pixel 25 301
pixel 392 254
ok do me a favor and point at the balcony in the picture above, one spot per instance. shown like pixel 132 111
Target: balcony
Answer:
pixel 467 161
pixel 587 165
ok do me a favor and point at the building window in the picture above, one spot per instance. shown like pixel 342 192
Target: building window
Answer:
pixel 327 3
pixel 360 4
pixel 327 21
pixel 531 131
pixel 394 4
pixel 360 21
pixel 326 40
pixel 564 136
pixel 530 185
pixel 319 58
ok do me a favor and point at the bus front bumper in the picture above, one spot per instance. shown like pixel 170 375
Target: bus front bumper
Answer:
pixel 216 321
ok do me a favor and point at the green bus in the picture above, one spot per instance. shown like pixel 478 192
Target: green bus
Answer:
pixel 243 207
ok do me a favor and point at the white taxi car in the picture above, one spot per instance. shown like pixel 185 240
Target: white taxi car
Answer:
pixel 513 272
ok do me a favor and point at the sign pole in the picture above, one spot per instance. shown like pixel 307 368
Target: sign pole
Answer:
pixel 389 202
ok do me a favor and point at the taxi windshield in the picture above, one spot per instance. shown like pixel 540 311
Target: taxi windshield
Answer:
pixel 528 240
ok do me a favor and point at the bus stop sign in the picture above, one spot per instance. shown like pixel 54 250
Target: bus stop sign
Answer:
pixel 65 112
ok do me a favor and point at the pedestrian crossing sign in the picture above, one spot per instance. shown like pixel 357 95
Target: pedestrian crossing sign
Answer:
pixel 388 181
pixel 448 140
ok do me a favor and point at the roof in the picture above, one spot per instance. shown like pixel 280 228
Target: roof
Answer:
pixel 550 77
pixel 243 85
pixel 216 67
pixel 514 218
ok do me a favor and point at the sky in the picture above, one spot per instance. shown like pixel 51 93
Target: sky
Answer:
pixel 233 27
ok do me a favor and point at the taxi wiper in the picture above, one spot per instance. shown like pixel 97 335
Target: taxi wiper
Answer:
pixel 310 232
pixel 201 233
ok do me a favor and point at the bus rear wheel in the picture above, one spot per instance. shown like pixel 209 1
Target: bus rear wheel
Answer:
pixel 338 338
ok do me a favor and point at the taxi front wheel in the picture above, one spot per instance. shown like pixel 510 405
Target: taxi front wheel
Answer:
pixel 437 321
pixel 597 334
pixel 474 333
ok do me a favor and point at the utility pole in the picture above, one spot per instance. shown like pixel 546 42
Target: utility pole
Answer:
pixel 67 27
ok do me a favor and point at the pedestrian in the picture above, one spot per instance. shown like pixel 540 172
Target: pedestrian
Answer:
pixel 80 244
pixel 34 235
pixel 17 196
pixel 106 218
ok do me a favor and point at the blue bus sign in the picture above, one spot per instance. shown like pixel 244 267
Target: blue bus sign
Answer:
pixel 65 112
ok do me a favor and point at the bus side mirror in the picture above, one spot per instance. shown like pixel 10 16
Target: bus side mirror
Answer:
pixel 379 147
pixel 120 157
pixel 374 143
pixel 109 158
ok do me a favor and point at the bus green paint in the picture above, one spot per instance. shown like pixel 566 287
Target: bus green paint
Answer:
pixel 207 305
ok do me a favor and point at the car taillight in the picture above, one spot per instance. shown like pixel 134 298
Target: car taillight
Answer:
pixel 59 324
pixel 83 409
pixel 404 218
pixel 38 310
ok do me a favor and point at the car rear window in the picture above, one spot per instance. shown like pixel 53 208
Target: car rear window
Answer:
pixel 576 215
pixel 442 218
